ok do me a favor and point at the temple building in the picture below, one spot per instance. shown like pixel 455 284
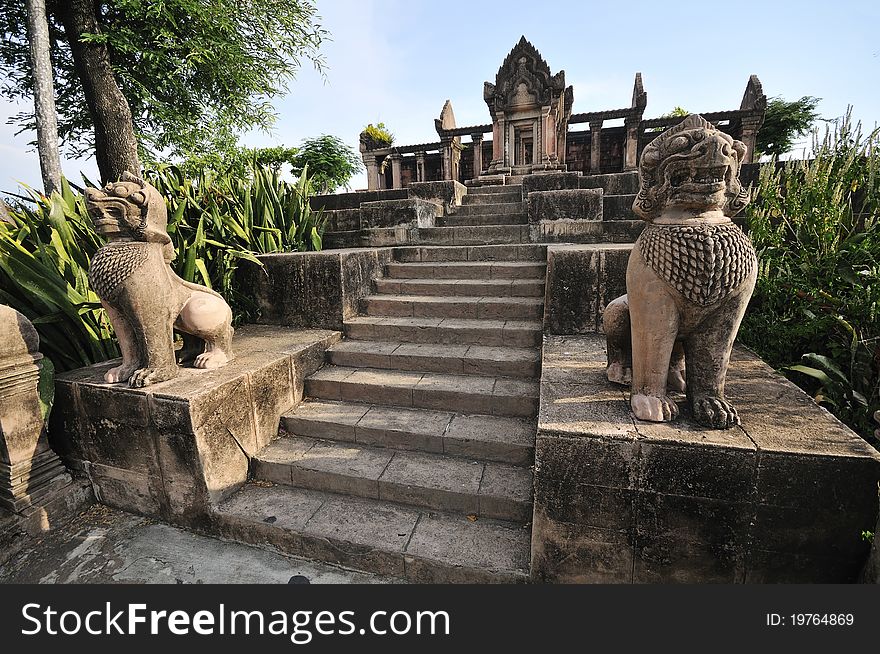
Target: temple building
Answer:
pixel 533 129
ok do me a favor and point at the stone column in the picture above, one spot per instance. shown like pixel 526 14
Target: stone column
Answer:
pixel 372 173
pixel 595 145
pixel 446 158
pixel 477 140
pixel 395 170
pixel 498 138
pixel 631 153
pixel 28 466
pixel 750 127
pixel 420 167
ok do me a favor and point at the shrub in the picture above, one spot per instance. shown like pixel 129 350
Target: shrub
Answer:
pixel 816 308
pixel 214 220
pixel 377 136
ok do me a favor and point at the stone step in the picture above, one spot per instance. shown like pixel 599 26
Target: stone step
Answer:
pixel 493 208
pixel 435 306
pixel 381 537
pixel 467 270
pixel 427 253
pixel 446 331
pixel 618 207
pixel 497 396
pixel 489 438
pixel 506 194
pixel 495 189
pixel 459 220
pixel 439 482
pixel 473 235
pixel 462 287
pixel 453 359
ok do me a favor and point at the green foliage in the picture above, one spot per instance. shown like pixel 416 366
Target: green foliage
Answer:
pixel 377 136
pixel 195 73
pixel 816 307
pixel 214 220
pixel 330 162
pixel 238 161
pixel 784 122
pixel 677 112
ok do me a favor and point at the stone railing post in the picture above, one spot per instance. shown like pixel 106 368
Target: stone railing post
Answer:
pixel 595 145
pixel 372 173
pixel 421 176
pixel 477 140
pixel 631 153
pixel 395 170
pixel 750 127
pixel 28 466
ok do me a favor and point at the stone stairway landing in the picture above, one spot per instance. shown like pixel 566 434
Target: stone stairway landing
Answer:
pixel 411 454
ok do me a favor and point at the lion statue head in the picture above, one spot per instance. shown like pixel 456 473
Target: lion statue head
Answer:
pixel 691 166
pixel 129 210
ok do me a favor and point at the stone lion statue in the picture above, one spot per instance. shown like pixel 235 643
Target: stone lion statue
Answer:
pixel 689 278
pixel 144 299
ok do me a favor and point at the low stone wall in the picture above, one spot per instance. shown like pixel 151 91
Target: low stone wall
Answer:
pixel 784 498
pixel 556 181
pixel 581 281
pixel 353 200
pixel 174 449
pixel 313 289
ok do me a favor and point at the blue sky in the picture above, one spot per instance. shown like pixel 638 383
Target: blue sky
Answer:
pixel 398 61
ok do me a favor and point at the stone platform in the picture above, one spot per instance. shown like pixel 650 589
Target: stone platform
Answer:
pixel 784 498
pixel 174 449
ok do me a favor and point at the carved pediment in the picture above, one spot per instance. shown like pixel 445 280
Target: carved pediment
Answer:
pixel 523 79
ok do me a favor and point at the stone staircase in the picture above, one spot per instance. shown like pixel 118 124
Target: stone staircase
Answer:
pixel 488 214
pixel 411 454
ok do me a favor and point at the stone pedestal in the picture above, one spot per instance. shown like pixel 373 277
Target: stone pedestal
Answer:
pixel 783 498
pixel 28 467
pixel 174 449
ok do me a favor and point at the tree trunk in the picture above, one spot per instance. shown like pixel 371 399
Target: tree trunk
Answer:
pixel 115 142
pixel 44 96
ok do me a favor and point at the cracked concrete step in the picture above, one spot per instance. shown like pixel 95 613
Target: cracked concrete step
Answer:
pixel 467 270
pixel 503 195
pixel 500 208
pixel 490 438
pixel 462 306
pixel 474 235
pixel 376 536
pixel 449 331
pixel 477 220
pixel 462 287
pixel 493 189
pixel 434 481
pixel 424 357
pixel 497 396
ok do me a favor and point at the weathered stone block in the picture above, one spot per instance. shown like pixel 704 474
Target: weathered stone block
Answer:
pixel 342 220
pixel 390 213
pixel 312 289
pixel 578 204
pixel 177 448
pixel 784 498
pixel 581 281
pixel 447 193
pixel 556 181
pixel 613 183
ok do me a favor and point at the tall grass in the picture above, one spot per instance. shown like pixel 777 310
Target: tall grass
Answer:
pixel 215 222
pixel 816 308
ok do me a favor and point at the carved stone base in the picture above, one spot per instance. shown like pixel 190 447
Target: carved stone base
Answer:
pixel 27 482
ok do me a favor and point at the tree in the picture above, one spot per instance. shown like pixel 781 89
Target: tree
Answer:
pixel 677 112
pixel 44 96
pixel 330 162
pixel 190 74
pixel 784 122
